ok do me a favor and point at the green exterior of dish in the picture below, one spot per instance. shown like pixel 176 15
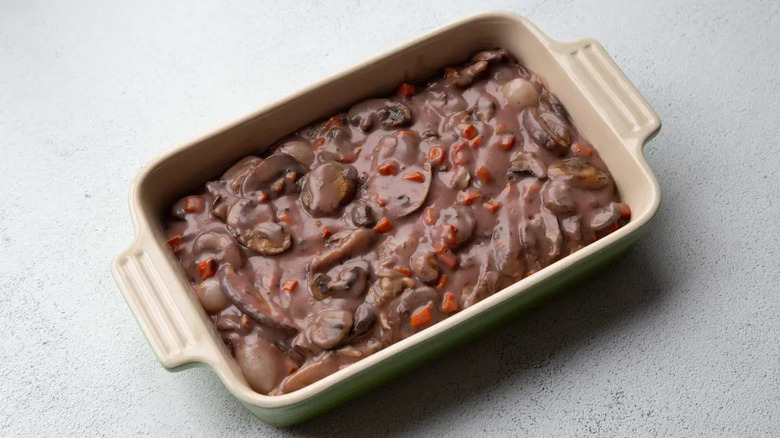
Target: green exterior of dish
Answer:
pixel 418 354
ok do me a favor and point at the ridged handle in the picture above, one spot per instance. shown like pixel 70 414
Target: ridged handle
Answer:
pixel 161 318
pixel 621 104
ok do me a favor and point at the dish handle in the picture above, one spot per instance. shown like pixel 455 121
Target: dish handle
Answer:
pixel 615 97
pixel 163 316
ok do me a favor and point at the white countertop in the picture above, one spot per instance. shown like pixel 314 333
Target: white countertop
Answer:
pixel 680 338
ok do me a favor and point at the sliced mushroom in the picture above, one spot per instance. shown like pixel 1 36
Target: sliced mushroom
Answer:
pixel 485 108
pixel 555 105
pixel 520 93
pixel 263 365
pixel 252 224
pixel 401 196
pixel 425 266
pixel 322 367
pixel 246 298
pixel 218 246
pixel 549 130
pixel 270 171
pixel 604 217
pixel 553 238
pixel 466 76
pixel 364 319
pixel 328 187
pixel 330 328
pixel 300 149
pixel 486 286
pixel 234 177
pixel 557 196
pixel 580 173
pixel 351 243
pixel 350 282
pixel 393 283
pixel 364 215
pixel 222 198
pixel 394 115
pixel 505 247
pixel 459 217
pixel 526 164
pixel 211 296
pixel 494 55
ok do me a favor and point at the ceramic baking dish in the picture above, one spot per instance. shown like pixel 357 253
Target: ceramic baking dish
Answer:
pixel 603 104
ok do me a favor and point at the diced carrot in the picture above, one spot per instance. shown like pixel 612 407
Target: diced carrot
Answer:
pixel 440 249
pixel 326 233
pixel 468 198
pixel 406 132
pixel 581 150
pixel 535 187
pixel 469 131
pixel 476 142
pixel 284 216
pixel 414 176
pixel 507 142
pixel 406 90
pixel 207 268
pixel 449 258
pixel 175 242
pixel 442 283
pixel 292 176
pixel 381 202
pixel 436 155
pixel 405 271
pixel 318 143
pixel 429 217
pixel 625 211
pixel 450 234
pixel 290 285
pixel 483 174
pixel 318 223
pixel 450 304
pixel 492 206
pixel 388 168
pixel 421 316
pixel 500 128
pixel 383 226
pixel 193 204
pixel 262 197
pixel 333 122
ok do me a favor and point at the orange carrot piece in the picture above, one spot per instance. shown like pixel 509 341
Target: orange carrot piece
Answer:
pixel 476 142
pixel 193 204
pixel 207 268
pixel 414 176
pixel 468 198
pixel 318 142
pixel 450 304
pixel 442 282
pixel 290 285
pixel 381 202
pixel 581 150
pixel 450 233
pixel 483 174
pixel 500 128
pixel 333 122
pixel 469 132
pixel 284 216
pixel 429 217
pixel 507 142
pixel 625 211
pixel 175 242
pixel 492 206
pixel 262 197
pixel 406 90
pixel 383 226
pixel 388 168
pixel 326 233
pixel 436 155
pixel 405 271
pixel 421 316
pixel 449 258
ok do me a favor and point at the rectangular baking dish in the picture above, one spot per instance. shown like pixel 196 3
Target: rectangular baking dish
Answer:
pixel 602 103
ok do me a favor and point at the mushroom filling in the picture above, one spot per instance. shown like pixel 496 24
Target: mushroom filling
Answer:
pixel 364 228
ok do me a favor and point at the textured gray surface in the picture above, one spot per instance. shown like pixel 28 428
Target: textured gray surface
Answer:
pixel 679 338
